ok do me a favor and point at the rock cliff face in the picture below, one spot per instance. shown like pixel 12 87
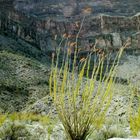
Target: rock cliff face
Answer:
pixel 39 22
pixel 111 7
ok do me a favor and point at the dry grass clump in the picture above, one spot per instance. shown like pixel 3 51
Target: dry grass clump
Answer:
pixel 25 117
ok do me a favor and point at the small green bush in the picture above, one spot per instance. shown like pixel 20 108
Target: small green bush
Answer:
pixel 134 117
pixel 25 117
pixel 15 125
pixel 112 128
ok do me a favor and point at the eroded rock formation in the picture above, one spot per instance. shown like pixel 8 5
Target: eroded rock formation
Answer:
pixel 41 28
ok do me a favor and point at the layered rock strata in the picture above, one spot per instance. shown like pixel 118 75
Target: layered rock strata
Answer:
pixel 47 31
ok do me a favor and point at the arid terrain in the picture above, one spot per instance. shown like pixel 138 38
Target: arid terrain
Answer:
pixel 31 31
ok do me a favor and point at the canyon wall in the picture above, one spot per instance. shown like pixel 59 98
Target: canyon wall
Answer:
pixel 46 32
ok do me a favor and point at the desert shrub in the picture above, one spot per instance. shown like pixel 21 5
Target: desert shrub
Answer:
pixel 26 117
pixel 14 130
pixel 15 125
pixel 82 103
pixel 6 129
pixel 134 112
pixel 112 128
pixel 2 119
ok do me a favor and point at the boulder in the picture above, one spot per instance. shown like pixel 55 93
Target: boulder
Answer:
pixel 68 11
pixel 117 42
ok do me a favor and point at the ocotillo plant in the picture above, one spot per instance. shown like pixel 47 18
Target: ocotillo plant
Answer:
pixel 82 103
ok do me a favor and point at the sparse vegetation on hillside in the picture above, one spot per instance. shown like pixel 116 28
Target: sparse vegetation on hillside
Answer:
pixel 22 80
